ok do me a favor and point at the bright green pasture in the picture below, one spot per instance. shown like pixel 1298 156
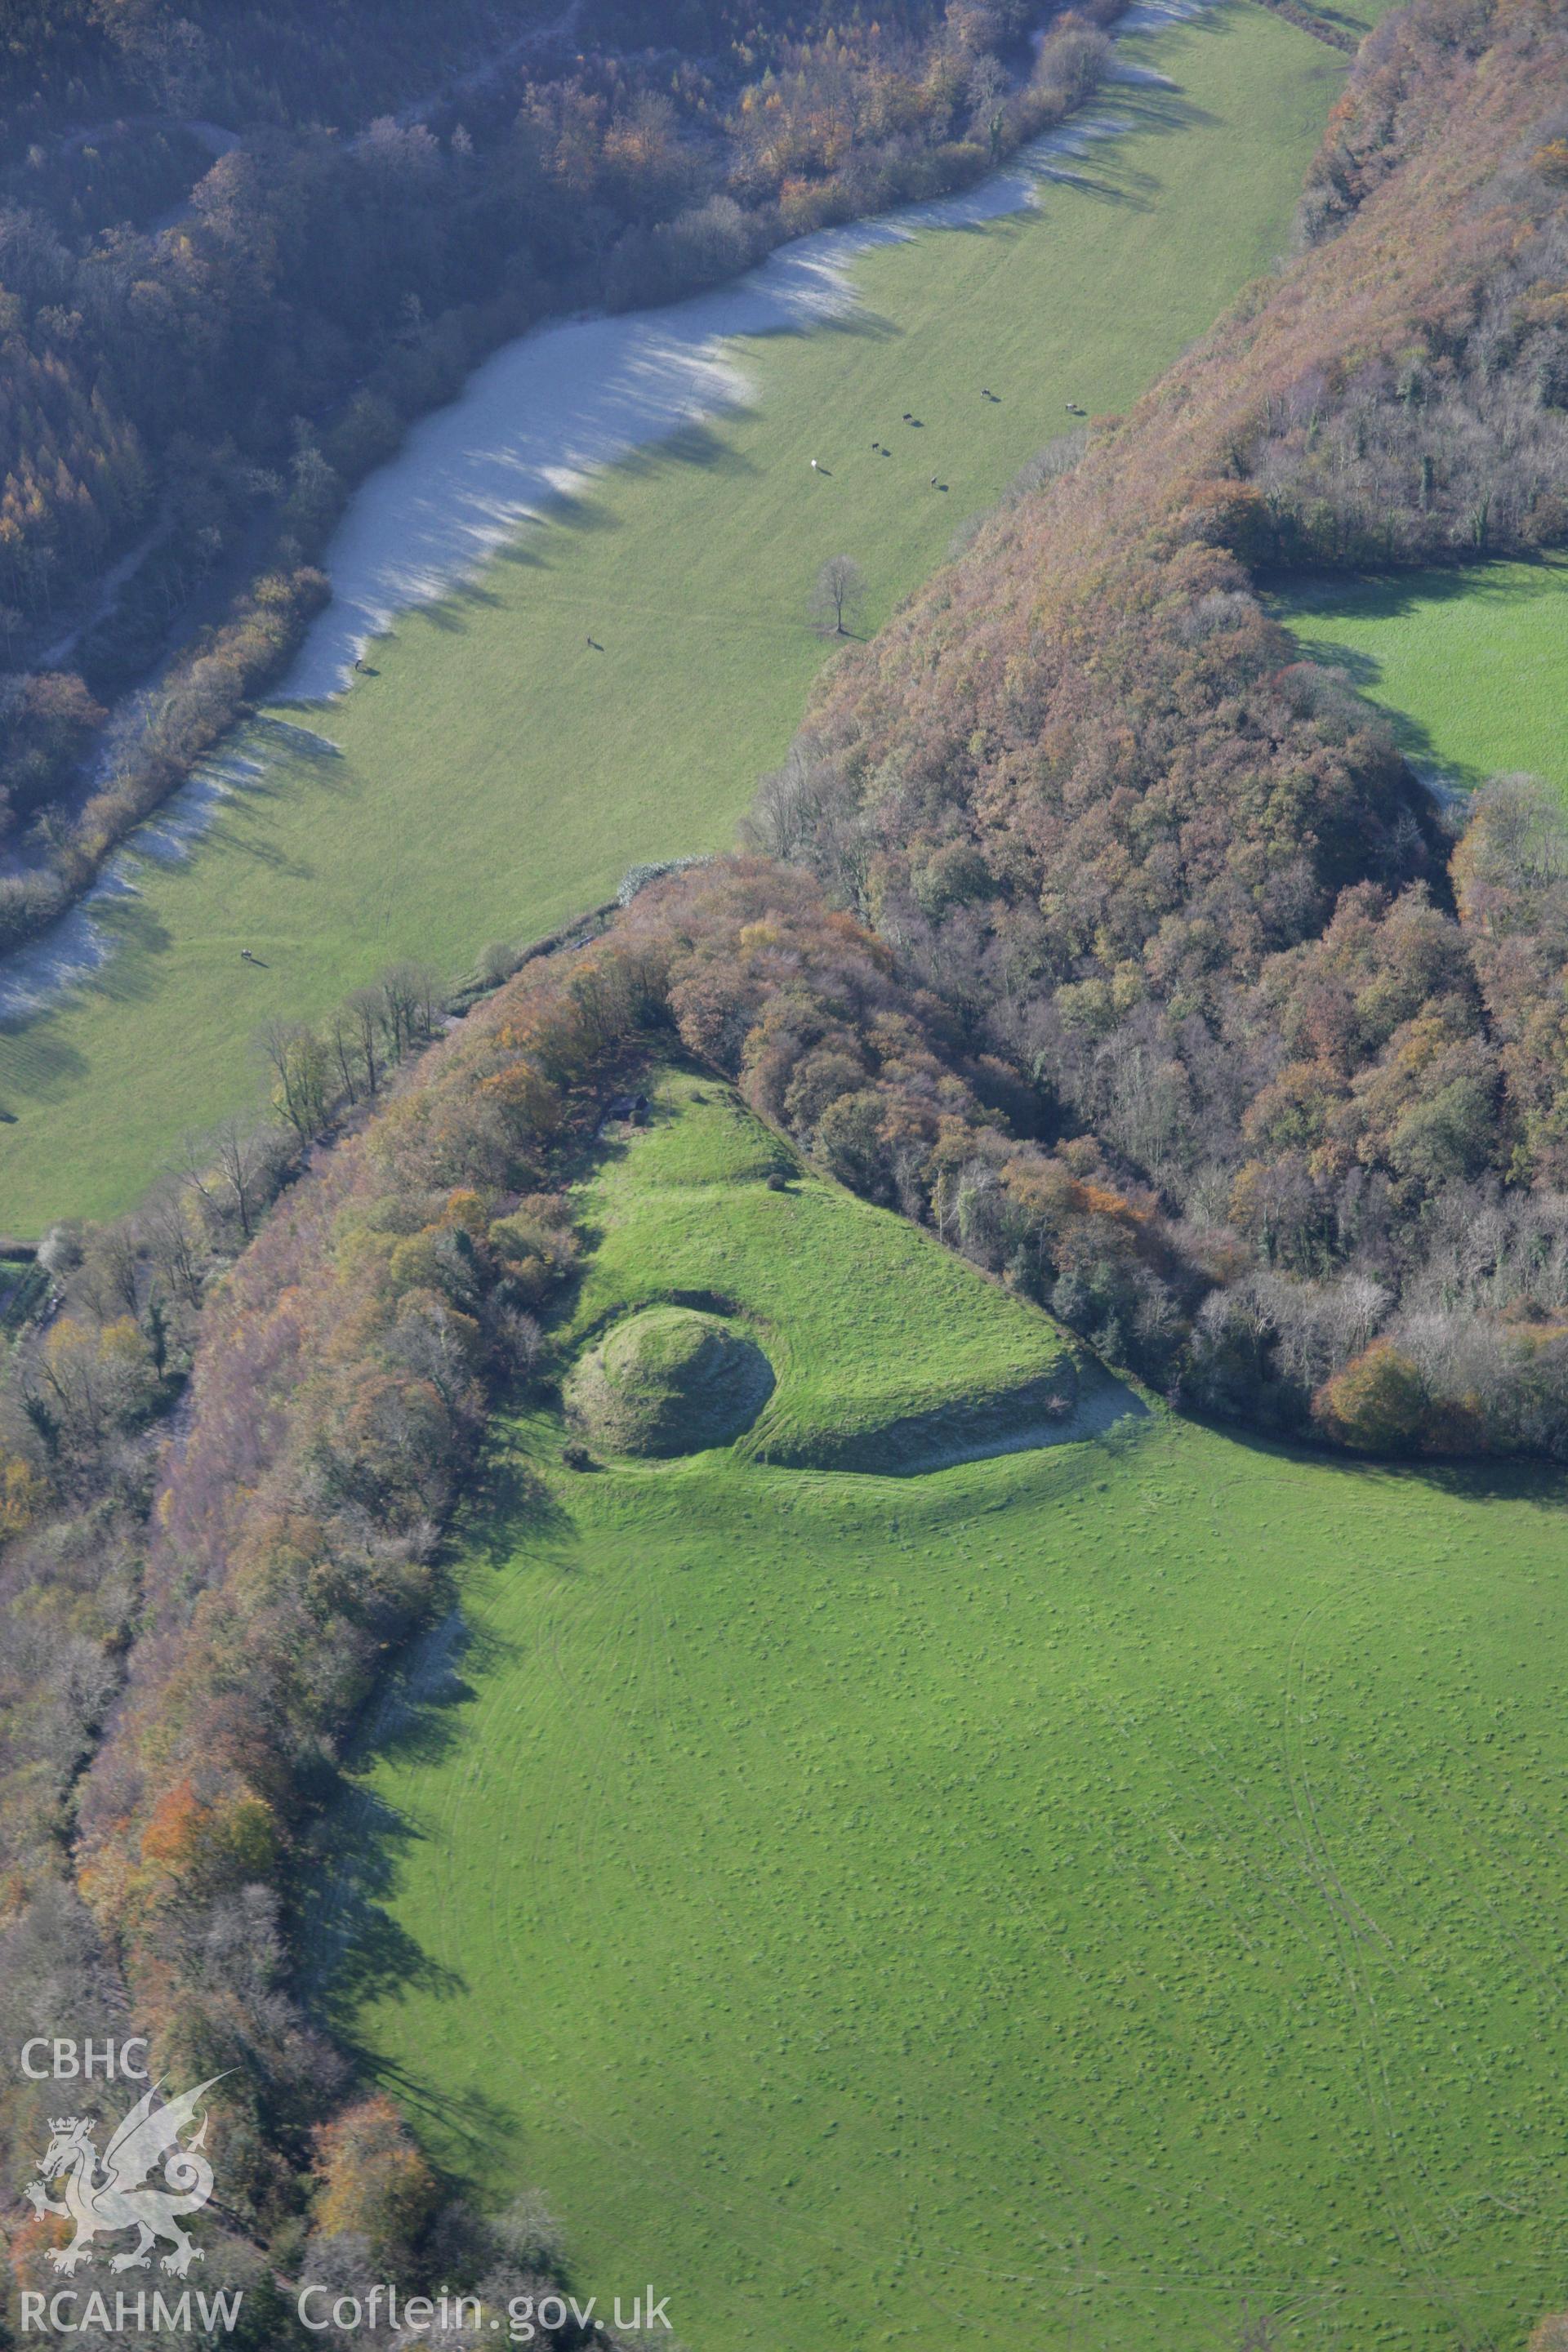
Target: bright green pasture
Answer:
pixel 1070 1900
pixel 1472 664
pixel 813 1270
pixel 498 775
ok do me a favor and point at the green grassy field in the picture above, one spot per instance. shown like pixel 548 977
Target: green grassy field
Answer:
pixel 810 1267
pixel 1064 1900
pixel 1473 665
pixel 498 776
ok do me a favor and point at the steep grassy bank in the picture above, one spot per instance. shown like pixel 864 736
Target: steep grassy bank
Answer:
pixel 499 772
pixel 1085 1893
pixel 878 1338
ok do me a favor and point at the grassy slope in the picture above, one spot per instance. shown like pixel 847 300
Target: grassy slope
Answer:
pixel 1085 1890
pixel 498 775
pixel 1473 665
pixel 809 1267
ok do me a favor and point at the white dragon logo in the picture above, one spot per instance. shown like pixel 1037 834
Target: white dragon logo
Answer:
pixel 105 2194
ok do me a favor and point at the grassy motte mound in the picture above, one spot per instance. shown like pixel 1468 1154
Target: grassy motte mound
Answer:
pixel 669 1381
pixel 890 1355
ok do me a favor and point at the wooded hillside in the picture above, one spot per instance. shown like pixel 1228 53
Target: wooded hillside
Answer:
pixel 1184 882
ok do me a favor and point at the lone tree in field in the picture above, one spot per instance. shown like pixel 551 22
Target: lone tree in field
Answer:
pixel 837 596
